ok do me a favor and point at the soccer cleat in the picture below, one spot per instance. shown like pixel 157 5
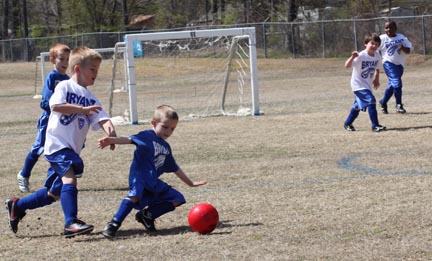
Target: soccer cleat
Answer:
pixel 349 127
pixel 400 108
pixel 78 227
pixel 110 229
pixel 144 217
pixel 379 128
pixel 23 183
pixel 14 214
pixel 384 108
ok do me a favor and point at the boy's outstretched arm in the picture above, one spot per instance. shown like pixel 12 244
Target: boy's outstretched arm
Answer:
pixel 187 181
pixel 106 141
pixel 109 129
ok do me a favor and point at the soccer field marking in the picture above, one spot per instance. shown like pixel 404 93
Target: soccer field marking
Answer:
pixel 349 163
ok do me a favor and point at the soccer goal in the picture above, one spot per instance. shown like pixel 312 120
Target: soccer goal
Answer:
pixel 200 73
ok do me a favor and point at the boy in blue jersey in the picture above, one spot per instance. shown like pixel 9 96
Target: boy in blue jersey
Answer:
pixel 74 110
pixel 393 48
pixel 152 157
pixel 365 75
pixel 59 56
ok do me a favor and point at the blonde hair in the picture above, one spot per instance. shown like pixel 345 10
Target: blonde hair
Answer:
pixel 56 49
pixel 165 111
pixel 82 55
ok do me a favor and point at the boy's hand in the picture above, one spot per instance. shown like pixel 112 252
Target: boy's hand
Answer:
pixel 199 183
pixel 90 109
pixel 105 142
pixel 376 84
pixel 354 54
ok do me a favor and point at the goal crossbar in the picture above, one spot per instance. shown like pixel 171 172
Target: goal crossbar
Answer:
pixel 130 62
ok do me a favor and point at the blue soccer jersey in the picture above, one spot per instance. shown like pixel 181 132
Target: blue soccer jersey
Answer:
pixel 51 81
pixel 152 158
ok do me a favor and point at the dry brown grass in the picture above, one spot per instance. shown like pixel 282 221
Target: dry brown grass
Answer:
pixel 288 185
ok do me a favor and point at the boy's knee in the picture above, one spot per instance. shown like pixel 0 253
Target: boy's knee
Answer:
pixel 176 204
pixel 53 197
pixel 133 199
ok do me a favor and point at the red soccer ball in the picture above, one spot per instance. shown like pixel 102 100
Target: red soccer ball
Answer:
pixel 203 218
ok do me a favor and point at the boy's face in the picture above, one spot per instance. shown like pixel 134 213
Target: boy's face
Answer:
pixel 164 128
pixel 87 72
pixel 61 62
pixel 372 46
pixel 390 29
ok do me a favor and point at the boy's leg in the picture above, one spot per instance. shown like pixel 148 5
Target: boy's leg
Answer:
pixel 125 208
pixel 16 207
pixel 387 95
pixel 373 116
pixel 148 215
pixel 163 205
pixel 65 163
pixel 399 104
pixel 69 203
pixel 351 118
pixel 32 157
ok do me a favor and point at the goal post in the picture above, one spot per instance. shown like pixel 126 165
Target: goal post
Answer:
pixel 247 32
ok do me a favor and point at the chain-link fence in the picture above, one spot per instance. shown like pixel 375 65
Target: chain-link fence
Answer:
pixel 327 38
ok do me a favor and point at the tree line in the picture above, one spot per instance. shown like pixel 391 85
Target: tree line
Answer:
pixel 41 18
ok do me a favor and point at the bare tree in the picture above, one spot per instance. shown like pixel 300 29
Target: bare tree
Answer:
pixel 5 19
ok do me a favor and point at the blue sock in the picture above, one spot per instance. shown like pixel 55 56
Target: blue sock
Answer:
pixel 373 115
pixel 398 95
pixel 29 163
pixel 388 93
pixel 352 116
pixel 69 202
pixel 37 199
pixel 160 209
pixel 125 208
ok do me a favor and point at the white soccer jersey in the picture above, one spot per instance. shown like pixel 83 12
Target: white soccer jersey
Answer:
pixel 363 69
pixel 389 48
pixel 70 130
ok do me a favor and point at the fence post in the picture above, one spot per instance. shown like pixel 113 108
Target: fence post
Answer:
pixel 265 39
pixel 323 39
pixel 355 35
pixel 424 35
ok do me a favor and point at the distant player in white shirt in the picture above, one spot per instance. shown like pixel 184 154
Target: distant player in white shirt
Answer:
pixel 365 75
pixel 74 110
pixel 393 48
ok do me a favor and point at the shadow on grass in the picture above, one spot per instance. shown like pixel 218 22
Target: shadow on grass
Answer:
pixel 409 128
pixel 130 233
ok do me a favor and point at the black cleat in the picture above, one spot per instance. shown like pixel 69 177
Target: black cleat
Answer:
pixel 14 214
pixel 349 127
pixel 144 217
pixel 110 229
pixel 400 109
pixel 379 128
pixel 78 227
pixel 384 108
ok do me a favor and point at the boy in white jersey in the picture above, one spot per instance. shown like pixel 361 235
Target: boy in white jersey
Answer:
pixel 74 109
pixel 365 75
pixel 393 48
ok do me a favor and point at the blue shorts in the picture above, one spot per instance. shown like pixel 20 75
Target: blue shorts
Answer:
pixel 394 73
pixel 60 163
pixel 149 198
pixel 363 99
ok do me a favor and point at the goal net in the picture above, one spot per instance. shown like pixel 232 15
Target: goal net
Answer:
pixel 200 73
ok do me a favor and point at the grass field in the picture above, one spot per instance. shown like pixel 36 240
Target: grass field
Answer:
pixel 291 184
